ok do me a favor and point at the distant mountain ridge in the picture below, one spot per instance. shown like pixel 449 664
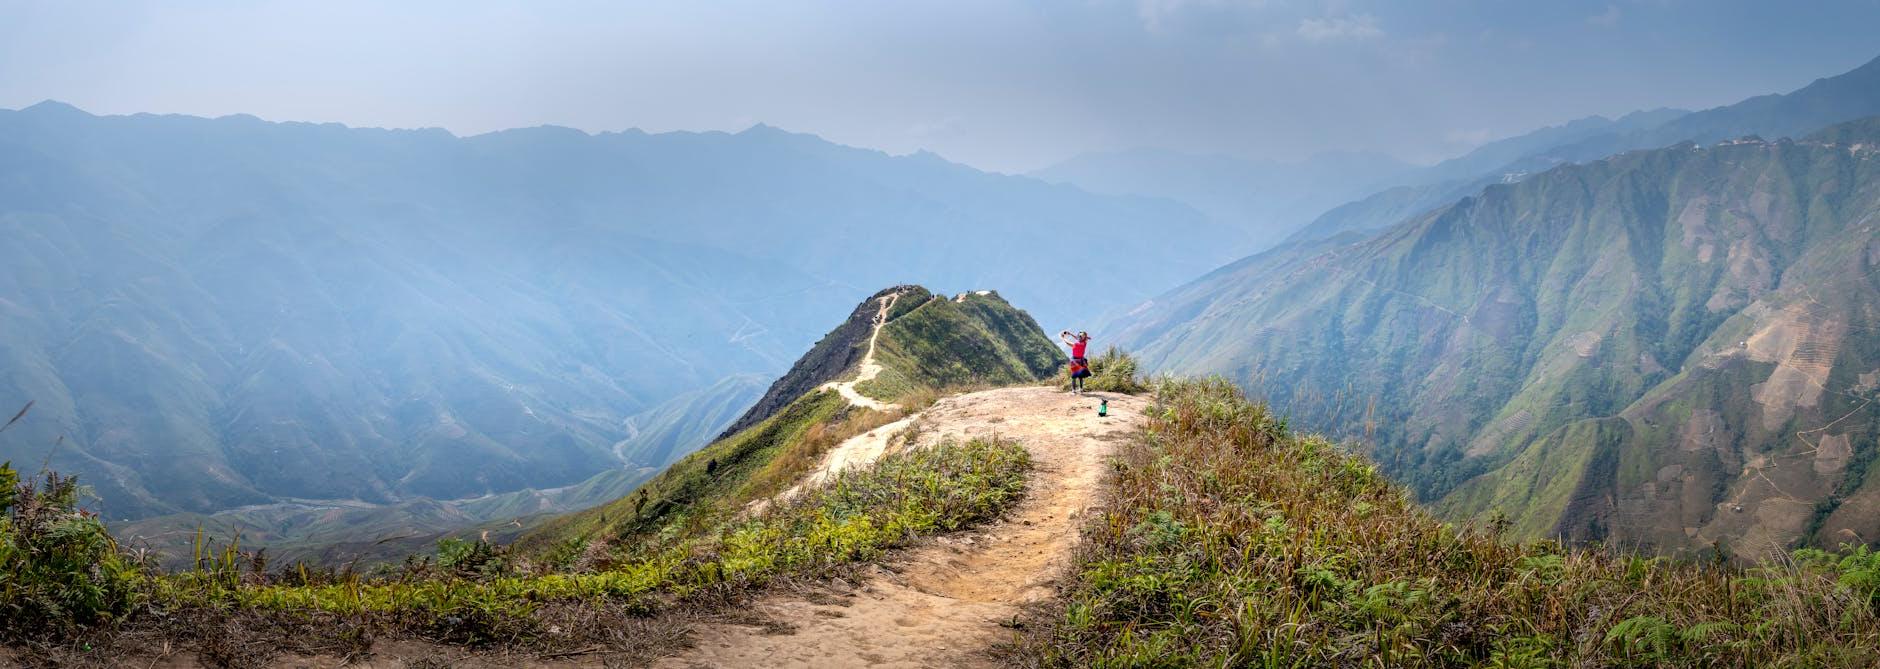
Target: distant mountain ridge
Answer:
pixel 1669 348
pixel 1260 202
pixel 1844 97
pixel 220 313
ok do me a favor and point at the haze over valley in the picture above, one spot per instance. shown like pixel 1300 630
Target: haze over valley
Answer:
pixel 590 332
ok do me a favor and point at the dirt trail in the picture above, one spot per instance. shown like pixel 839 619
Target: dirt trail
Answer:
pixel 937 605
pixel 941 605
pixel 869 369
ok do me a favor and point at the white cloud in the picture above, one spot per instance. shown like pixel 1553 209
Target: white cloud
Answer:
pixel 1333 28
pixel 1605 19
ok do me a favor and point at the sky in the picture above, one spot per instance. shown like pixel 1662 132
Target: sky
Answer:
pixel 1004 86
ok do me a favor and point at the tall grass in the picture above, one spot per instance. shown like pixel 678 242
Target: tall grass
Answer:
pixel 1112 371
pixel 1229 541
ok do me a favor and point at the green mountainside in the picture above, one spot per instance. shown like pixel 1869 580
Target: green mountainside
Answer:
pixel 973 339
pixel 1672 348
pixel 927 343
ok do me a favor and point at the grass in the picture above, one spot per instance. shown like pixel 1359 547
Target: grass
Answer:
pixel 697 489
pixel 480 595
pixel 1230 541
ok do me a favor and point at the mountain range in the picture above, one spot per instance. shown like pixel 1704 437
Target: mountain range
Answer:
pixel 292 329
pixel 1668 348
pixel 1824 102
pixel 1258 202
pixel 218 314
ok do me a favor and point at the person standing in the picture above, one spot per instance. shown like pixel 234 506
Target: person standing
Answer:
pixel 1080 365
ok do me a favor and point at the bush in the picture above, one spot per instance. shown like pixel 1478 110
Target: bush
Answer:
pixel 59 568
pixel 1113 371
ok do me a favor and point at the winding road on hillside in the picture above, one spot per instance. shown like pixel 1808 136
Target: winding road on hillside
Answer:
pixel 945 603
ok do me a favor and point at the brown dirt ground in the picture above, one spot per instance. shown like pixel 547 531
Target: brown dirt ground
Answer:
pixel 944 604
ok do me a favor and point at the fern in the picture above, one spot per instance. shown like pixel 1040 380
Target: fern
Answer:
pixel 1651 636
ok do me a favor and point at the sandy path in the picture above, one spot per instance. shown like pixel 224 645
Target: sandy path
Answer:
pixel 941 605
pixel 869 369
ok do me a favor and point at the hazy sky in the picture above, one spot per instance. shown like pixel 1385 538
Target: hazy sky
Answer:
pixel 1001 85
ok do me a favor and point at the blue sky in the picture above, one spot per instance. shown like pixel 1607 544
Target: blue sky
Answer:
pixel 1000 85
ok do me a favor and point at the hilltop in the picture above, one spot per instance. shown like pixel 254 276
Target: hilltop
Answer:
pixel 893 354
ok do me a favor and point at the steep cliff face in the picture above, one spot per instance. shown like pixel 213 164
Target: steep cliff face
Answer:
pixel 1674 348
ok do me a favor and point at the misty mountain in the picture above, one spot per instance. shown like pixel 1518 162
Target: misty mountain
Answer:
pixel 219 313
pixel 1669 348
pixel 1456 178
pixel 1845 97
pixel 1261 201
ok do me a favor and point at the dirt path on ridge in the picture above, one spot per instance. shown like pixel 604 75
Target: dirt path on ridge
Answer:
pixel 942 604
pixel 869 369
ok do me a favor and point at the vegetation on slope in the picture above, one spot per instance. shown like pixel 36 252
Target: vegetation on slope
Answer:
pixel 1231 541
pixel 1645 349
pixel 938 343
pixel 708 483
pixel 478 594
pixel 927 344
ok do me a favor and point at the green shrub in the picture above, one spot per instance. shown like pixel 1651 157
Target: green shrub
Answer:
pixel 1856 568
pixel 1112 371
pixel 59 568
pixel 472 559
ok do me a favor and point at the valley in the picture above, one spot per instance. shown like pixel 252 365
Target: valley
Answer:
pixel 686 336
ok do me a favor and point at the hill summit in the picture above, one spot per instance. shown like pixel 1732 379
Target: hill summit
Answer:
pixel 896 352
